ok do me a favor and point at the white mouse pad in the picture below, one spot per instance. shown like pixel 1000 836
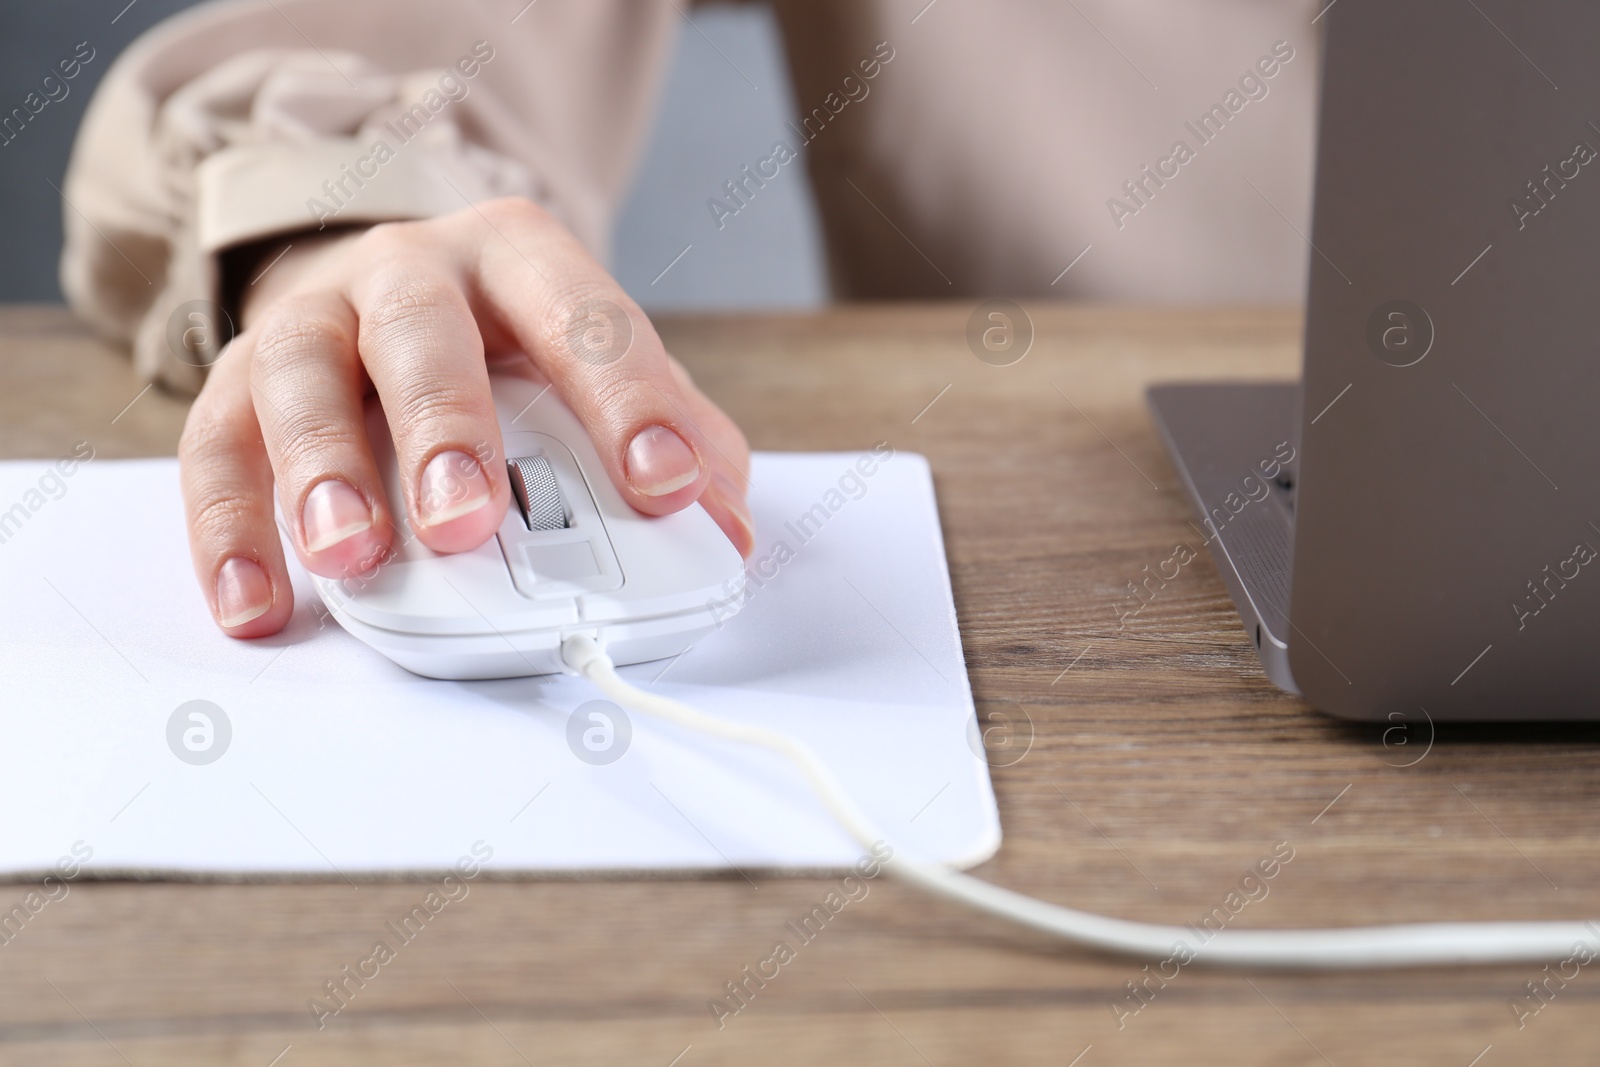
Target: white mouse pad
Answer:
pixel 138 740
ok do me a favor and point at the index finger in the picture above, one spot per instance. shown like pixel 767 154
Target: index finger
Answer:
pixel 598 350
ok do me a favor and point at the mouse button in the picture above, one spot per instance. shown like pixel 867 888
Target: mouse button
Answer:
pixel 572 561
pixel 567 561
pixel 558 563
pixel 529 443
pixel 675 563
pixel 463 593
pixel 406 547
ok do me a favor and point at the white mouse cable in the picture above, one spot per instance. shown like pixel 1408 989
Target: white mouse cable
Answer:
pixel 1410 945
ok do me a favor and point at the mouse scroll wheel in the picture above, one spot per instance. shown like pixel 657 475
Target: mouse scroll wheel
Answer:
pixel 533 481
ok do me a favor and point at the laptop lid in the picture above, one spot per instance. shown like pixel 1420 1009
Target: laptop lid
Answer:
pixel 1447 531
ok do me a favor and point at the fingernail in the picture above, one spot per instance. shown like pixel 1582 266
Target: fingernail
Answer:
pixel 333 512
pixel 660 462
pixel 453 485
pixel 243 592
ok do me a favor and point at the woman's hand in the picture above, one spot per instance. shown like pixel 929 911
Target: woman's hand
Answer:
pixel 418 311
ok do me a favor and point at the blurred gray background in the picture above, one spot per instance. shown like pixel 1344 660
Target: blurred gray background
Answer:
pixel 668 252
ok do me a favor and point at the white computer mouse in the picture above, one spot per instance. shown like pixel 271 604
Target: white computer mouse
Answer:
pixel 572 556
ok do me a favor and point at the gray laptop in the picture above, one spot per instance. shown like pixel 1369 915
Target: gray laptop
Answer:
pixel 1413 529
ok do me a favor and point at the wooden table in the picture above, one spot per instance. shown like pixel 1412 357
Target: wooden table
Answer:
pixel 1162 767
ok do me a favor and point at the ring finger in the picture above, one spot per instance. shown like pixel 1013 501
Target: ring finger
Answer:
pixel 307 386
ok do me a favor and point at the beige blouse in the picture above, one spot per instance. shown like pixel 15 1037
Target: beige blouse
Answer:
pixel 1131 150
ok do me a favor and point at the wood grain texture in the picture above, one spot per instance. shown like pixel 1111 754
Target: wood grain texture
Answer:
pixel 1144 781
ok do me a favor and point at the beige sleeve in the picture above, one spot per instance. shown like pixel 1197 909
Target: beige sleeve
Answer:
pixel 244 119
